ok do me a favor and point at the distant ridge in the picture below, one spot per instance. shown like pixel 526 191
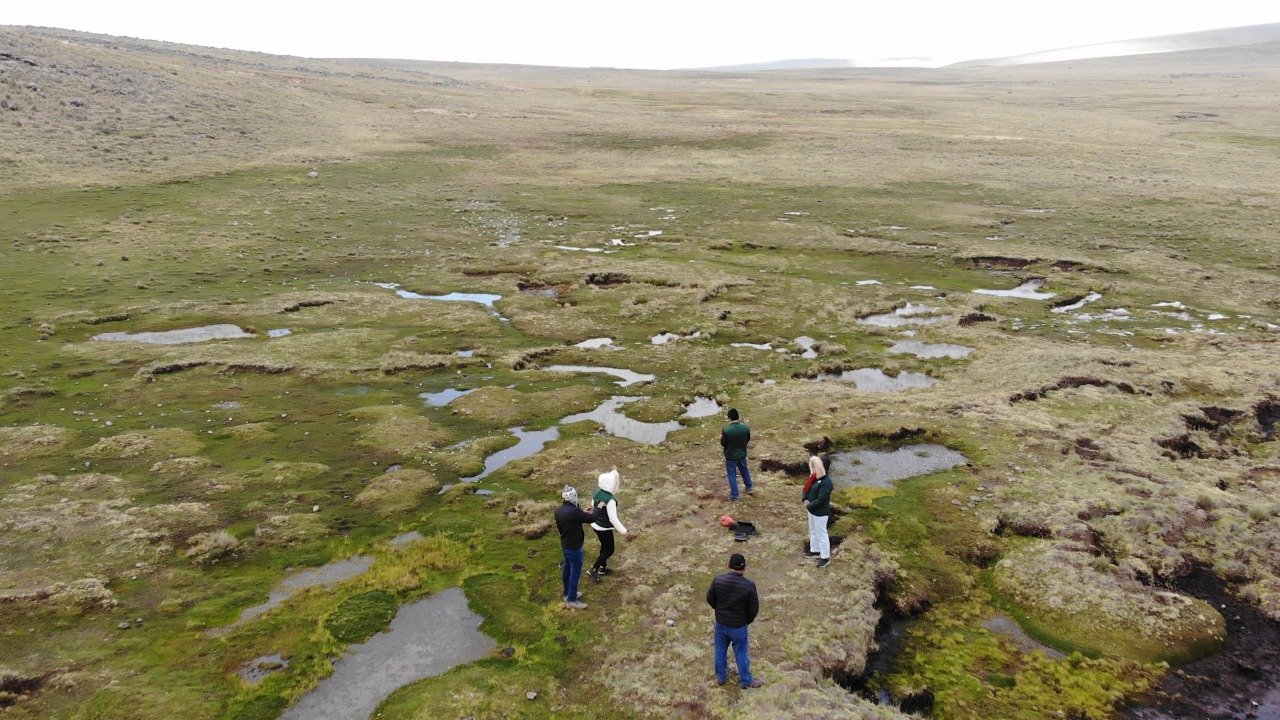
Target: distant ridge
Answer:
pixel 1201 40
pixel 793 64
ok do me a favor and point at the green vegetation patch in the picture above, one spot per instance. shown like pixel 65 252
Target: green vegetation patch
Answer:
pixel 359 617
pixel 1087 603
pixel 977 674
pixel 257 707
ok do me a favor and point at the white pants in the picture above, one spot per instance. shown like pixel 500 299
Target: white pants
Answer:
pixel 819 541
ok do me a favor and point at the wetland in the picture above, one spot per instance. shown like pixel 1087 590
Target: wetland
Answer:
pixel 245 475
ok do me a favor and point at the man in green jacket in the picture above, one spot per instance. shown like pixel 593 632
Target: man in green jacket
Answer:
pixel 817 501
pixel 734 438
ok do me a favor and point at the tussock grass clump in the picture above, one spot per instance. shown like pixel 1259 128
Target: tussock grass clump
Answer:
pixel 209 548
pixel 295 529
pixel 532 518
pixel 410 566
pixel 400 360
pixel 400 430
pixel 144 444
pixel 394 492
pixel 359 617
pixel 30 440
pixel 506 407
pixel 251 432
pixel 184 467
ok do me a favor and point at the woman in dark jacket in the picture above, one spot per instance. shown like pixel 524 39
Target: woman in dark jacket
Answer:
pixel 817 502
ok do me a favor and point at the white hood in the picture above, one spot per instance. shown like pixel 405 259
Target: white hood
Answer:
pixel 609 482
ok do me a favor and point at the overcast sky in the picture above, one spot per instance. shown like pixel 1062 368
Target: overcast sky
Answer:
pixel 649 34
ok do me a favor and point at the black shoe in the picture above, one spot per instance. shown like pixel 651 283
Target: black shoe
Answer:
pixel 606 571
pixel 594 574
pixel 824 562
pixel 812 554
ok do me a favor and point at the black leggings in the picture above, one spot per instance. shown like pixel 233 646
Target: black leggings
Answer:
pixel 606 549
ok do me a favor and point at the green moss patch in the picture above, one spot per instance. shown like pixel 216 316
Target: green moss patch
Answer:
pixel 358 617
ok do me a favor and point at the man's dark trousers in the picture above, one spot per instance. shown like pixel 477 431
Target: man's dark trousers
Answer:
pixel 570 571
pixel 737 637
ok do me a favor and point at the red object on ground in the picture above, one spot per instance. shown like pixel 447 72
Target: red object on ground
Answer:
pixel 726 521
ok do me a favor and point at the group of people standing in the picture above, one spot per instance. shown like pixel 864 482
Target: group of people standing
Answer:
pixel 604 521
pixel 731 594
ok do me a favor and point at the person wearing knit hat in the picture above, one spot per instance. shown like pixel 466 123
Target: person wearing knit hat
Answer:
pixel 569 520
pixel 606 507
pixel 736 603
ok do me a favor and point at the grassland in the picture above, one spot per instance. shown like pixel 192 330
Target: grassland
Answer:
pixel 149 493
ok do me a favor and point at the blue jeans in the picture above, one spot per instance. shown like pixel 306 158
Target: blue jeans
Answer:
pixel 732 468
pixel 570 571
pixel 726 636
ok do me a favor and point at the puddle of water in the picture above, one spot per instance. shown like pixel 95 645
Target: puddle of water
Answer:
pixel 806 345
pixel 909 314
pixel 868 282
pixel 325 575
pixel 1006 626
pixel 228 405
pixel 259 668
pixel 626 378
pixel 444 397
pixel 1173 304
pixel 177 337
pixel 531 443
pixel 279 332
pixel 580 249
pixel 702 407
pixel 665 338
pixel 485 299
pixel 880 468
pixel 1029 290
pixel 464 353
pixel 755 346
pixel 875 380
pixel 426 638
pixel 1091 297
pixel 619 425
pixel 405 538
pixel 923 287
pixel 1108 316
pixel 927 351
pixel 594 343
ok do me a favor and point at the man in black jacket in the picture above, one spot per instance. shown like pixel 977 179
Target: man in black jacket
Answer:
pixel 569 521
pixel 736 602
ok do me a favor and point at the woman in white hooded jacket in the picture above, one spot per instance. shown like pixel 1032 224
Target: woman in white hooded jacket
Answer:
pixel 606 524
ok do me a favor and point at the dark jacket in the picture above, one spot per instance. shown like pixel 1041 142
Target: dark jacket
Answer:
pixel 818 500
pixel 734 438
pixel 734 598
pixel 569 520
